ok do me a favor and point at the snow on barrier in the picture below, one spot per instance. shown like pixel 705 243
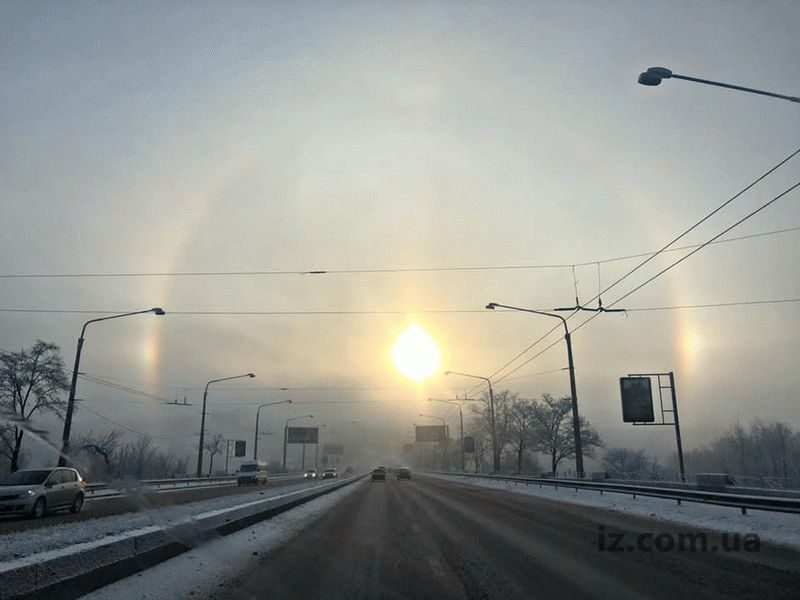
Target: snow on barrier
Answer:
pixel 76 570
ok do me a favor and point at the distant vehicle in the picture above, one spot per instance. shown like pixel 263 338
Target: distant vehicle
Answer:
pixel 39 491
pixel 329 473
pixel 403 473
pixel 379 474
pixel 252 472
pixel 310 474
pixel 348 471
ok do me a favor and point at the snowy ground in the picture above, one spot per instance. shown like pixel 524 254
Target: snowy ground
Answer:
pixel 33 541
pixel 213 565
pixel 774 527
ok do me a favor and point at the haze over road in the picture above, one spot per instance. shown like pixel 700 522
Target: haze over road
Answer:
pixel 431 538
pixel 148 499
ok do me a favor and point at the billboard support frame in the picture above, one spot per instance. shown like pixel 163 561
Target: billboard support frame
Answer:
pixel 673 412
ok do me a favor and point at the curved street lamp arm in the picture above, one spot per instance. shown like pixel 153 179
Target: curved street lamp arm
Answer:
pixel 156 310
pixel 493 305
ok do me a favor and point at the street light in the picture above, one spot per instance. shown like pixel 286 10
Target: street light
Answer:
pixel 576 423
pixel 255 438
pixel 654 75
pixel 203 418
pixel 495 453
pixel 62 459
pixel 461 423
pixel 285 431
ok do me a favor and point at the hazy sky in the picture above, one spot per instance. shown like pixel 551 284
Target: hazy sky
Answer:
pixel 249 136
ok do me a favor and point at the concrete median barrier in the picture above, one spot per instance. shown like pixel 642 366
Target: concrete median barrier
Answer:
pixel 76 570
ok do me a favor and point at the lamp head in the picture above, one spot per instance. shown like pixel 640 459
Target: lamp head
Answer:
pixel 491 305
pixel 158 311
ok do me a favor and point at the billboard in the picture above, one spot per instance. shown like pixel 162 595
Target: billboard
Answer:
pixel 469 443
pixel 239 448
pixel 302 435
pixel 332 449
pixel 430 433
pixel 637 400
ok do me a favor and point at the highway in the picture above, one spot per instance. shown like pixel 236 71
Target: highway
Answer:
pixel 115 505
pixel 437 539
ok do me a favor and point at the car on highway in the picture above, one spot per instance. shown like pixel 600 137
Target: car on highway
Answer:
pixel 379 474
pixel 252 472
pixel 310 474
pixel 330 473
pixel 403 473
pixel 37 492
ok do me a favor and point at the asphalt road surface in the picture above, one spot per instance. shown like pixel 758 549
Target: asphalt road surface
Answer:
pixel 118 505
pixel 435 539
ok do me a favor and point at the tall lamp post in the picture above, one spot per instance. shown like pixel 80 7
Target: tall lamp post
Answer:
pixel 654 76
pixel 203 418
pixel 62 459
pixel 286 430
pixel 461 427
pixel 576 423
pixel 255 437
pixel 495 453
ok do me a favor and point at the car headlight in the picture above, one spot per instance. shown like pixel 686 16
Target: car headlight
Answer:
pixel 30 493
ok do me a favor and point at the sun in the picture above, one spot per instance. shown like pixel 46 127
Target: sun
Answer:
pixel 415 353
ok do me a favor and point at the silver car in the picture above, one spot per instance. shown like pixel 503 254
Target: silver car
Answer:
pixel 39 491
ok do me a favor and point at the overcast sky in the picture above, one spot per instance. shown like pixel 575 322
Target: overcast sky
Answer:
pixel 227 137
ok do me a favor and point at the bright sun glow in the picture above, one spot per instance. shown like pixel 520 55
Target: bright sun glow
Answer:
pixel 415 354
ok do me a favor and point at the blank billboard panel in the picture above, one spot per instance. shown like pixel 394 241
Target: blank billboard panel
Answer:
pixel 430 433
pixel 302 435
pixel 637 400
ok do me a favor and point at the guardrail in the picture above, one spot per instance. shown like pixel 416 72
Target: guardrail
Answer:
pixel 741 501
pixel 178 483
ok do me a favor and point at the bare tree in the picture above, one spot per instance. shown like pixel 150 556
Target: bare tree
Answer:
pixel 213 446
pixel 554 432
pixel 502 406
pixel 31 381
pixel 521 428
pixel 103 445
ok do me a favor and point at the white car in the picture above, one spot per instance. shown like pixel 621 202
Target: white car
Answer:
pixel 329 473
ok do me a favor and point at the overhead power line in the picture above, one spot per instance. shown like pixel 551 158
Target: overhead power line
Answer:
pixel 368 271
pixel 364 312
pixel 131 429
pixel 664 249
pixel 664 270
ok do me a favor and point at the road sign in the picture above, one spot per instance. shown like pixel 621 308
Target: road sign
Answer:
pixel 302 435
pixel 332 449
pixel 637 400
pixel 239 448
pixel 469 444
pixel 430 433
